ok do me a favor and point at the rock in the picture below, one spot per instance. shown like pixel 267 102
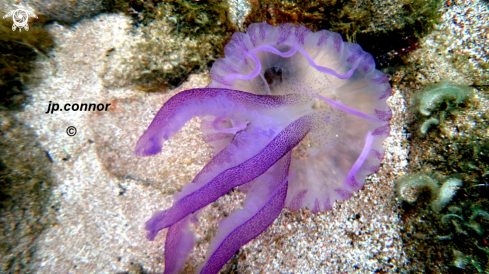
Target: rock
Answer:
pixel 68 12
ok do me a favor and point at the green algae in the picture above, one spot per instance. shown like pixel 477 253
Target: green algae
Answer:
pixel 451 239
pixel 19 49
pixel 442 191
pixel 172 40
pixel 369 23
pixel 435 103
pixel 447 191
pixel 408 186
pixel 426 125
pixel 433 96
pixel 25 190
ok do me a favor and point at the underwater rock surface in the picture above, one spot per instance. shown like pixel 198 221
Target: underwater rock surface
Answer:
pixel 105 211
pixel 68 11
pixel 103 208
pixel 174 39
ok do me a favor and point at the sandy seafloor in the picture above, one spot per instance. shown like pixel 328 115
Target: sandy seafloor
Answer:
pixel 105 194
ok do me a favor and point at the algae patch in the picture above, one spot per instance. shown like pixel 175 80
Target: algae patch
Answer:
pixel 170 40
pixel 25 190
pixel 433 96
pixel 447 233
pixel 386 29
pixel 19 49
pixel 437 102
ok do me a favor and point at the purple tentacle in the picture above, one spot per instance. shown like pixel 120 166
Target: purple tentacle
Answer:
pixel 263 213
pixel 367 148
pixel 232 177
pixel 200 102
pixel 179 242
pixel 291 52
pixel 347 109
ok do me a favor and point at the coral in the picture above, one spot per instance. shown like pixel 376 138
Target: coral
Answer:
pixel 448 216
pixel 459 149
pixel 476 212
pixel 446 193
pixel 369 23
pixel 479 212
pixel 463 261
pixel 426 125
pixel 294 112
pixel 441 99
pixel 455 223
pixel 19 49
pixel 460 260
pixel 174 39
pixel 432 97
pixel 454 228
pixel 68 12
pixel 407 187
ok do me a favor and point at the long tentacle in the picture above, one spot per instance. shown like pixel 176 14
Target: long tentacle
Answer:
pixel 201 102
pixel 179 242
pixel 243 173
pixel 265 202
